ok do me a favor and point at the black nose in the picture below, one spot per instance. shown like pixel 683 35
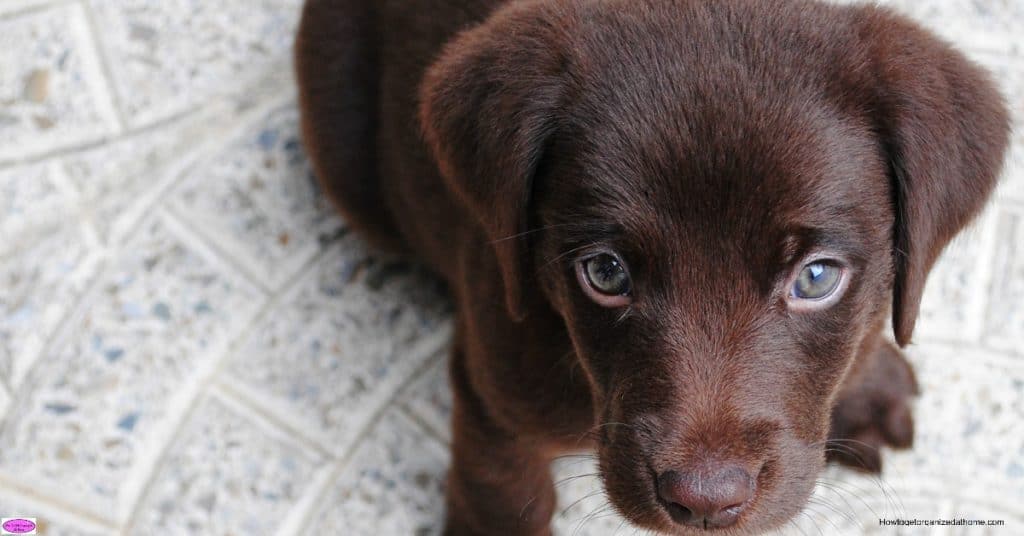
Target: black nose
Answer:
pixel 712 496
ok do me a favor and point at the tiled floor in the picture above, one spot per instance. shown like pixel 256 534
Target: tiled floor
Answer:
pixel 191 343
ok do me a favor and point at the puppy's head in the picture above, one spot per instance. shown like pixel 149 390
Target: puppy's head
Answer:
pixel 722 201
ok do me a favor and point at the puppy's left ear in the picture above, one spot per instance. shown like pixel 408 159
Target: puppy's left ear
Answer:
pixel 945 130
pixel 487 108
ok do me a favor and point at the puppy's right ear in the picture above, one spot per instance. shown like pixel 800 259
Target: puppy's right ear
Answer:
pixel 945 129
pixel 488 106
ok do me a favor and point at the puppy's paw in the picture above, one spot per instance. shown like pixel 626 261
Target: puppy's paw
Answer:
pixel 873 410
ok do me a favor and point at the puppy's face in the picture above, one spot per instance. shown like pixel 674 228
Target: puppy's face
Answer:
pixel 721 200
pixel 716 281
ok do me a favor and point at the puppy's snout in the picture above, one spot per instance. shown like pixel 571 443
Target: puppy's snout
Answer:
pixel 706 497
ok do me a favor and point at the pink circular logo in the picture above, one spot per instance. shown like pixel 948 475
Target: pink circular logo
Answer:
pixel 19 526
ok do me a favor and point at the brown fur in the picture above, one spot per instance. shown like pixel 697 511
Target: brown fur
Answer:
pixel 712 145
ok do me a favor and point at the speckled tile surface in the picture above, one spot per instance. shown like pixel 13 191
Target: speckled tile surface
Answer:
pixel 167 57
pixel 191 342
pixel 394 484
pixel 225 474
pixel 52 90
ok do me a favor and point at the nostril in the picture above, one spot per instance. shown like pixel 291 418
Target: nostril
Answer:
pixel 680 513
pixel 712 496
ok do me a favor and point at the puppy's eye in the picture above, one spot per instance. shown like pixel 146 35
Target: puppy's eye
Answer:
pixel 606 274
pixel 817 281
pixel 605 280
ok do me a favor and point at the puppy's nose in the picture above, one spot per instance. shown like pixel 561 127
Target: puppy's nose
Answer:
pixel 711 497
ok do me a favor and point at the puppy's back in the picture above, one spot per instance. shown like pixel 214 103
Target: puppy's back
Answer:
pixel 359 65
pixel 337 73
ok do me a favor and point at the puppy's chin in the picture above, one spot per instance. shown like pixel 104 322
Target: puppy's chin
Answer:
pixel 783 486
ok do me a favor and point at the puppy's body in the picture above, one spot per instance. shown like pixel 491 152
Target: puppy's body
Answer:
pixel 710 146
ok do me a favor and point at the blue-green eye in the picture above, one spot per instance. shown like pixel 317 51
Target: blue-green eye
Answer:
pixel 605 279
pixel 817 280
pixel 607 275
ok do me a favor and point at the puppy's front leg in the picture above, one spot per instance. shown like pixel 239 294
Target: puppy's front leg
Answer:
pixel 498 483
pixel 873 409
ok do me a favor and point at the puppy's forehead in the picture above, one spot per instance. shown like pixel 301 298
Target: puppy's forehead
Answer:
pixel 716 125
pixel 746 175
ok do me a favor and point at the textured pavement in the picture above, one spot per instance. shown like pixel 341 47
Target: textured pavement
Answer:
pixel 192 343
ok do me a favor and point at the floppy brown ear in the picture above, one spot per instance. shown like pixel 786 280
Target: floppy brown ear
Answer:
pixel 945 129
pixel 487 108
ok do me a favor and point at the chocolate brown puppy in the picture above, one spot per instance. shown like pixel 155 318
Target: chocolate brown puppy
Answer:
pixel 673 229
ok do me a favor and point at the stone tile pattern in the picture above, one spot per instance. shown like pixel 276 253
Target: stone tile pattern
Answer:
pixel 223 475
pixel 192 342
pixel 51 92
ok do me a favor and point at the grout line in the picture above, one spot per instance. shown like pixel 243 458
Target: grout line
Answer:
pixel 193 234
pixel 201 383
pixel 243 114
pixel 254 410
pixel 169 178
pixel 241 109
pixel 104 256
pixel 108 126
pixel 245 123
pixel 5 385
pixel 268 424
pixel 986 235
pixel 988 251
pixel 305 507
pixel 65 151
pixel 68 319
pixel 89 266
pixel 112 93
pixel 1001 263
pixel 424 425
pixel 101 256
pixel 297 518
pixel 415 417
pixel 195 390
pixel 57 503
pixel 44 5
pixel 6 402
pixel 138 493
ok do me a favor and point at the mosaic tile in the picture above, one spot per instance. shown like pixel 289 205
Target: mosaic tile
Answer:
pixel 157 316
pixel 953 305
pixel 52 92
pixel 14 7
pixel 970 410
pixel 347 337
pixel 1004 324
pixel 119 182
pixel 430 397
pixel 394 484
pixel 225 475
pixel 5 401
pixel 170 56
pixel 41 283
pixel 32 202
pixel 257 198
pixel 51 520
